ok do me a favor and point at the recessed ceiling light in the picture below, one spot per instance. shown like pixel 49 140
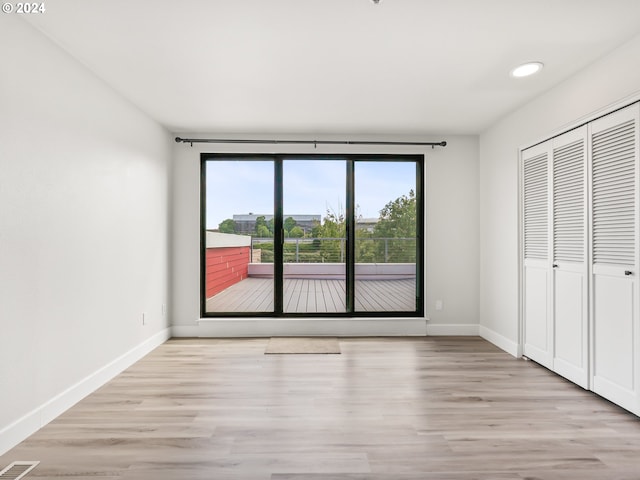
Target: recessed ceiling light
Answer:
pixel 526 69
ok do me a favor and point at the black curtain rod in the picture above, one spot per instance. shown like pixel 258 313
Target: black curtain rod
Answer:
pixel 307 142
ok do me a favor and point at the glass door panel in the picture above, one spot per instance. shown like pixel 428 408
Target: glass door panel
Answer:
pixel 238 243
pixel 314 244
pixel 385 236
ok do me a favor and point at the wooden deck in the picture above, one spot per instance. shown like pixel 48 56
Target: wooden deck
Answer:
pixel 318 296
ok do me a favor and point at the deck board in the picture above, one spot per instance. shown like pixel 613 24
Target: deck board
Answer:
pixel 254 295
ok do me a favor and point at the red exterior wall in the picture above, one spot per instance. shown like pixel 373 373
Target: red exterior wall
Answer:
pixel 225 266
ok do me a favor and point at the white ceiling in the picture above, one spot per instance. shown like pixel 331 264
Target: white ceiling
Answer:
pixel 334 66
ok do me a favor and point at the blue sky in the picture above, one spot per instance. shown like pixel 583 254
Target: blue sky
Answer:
pixel 310 187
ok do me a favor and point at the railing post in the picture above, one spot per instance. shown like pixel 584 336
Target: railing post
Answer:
pixel 342 250
pixel 386 250
pixel 297 250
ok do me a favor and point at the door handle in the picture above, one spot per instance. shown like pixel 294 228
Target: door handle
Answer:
pixel 555 265
pixel 628 272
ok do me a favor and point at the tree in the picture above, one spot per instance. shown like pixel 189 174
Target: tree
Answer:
pixel 263 232
pixel 227 226
pixel 398 218
pixel 397 221
pixel 333 226
pixel 296 232
pixel 289 223
pixel 366 247
pixel 260 222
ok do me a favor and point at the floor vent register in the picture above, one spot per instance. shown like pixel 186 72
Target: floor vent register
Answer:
pixel 17 470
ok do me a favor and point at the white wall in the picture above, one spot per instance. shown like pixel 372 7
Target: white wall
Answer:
pixel 605 82
pixel 84 202
pixel 452 227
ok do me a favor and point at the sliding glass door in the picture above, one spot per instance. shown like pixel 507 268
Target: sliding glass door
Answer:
pixel 315 237
pixel 311 235
pixel 238 247
pixel 386 236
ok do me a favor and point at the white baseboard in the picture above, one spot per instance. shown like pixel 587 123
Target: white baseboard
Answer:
pixel 445 329
pixel 22 428
pixel 501 341
pixel 341 327
pixel 334 327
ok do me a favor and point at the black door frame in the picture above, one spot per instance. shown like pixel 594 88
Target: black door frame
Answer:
pixel 350 161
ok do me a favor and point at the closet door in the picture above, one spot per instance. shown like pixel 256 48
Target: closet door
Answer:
pixel 570 285
pixel 616 326
pixel 537 312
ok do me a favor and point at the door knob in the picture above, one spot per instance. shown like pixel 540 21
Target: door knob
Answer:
pixel 628 272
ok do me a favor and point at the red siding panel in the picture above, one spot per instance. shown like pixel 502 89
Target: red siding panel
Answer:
pixel 224 267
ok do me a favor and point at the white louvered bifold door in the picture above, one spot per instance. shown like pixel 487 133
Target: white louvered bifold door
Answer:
pixel 614 294
pixel 536 191
pixel 570 285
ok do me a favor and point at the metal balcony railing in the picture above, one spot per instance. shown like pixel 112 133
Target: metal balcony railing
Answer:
pixel 333 250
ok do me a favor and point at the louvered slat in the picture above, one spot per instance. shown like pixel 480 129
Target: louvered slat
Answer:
pixel 614 188
pixel 568 202
pixel 535 207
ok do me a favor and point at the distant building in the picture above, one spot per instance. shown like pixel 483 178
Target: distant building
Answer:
pixel 246 223
pixel 366 224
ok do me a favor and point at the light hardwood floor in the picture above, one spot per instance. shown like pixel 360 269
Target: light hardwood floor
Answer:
pixel 392 409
